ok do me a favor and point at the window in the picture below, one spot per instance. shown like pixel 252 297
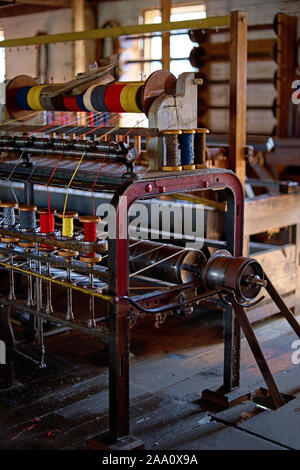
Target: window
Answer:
pixel 180 43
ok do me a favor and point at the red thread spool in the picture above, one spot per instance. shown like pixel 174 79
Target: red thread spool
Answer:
pixel 70 103
pixel 47 220
pixel 112 98
pixel 90 223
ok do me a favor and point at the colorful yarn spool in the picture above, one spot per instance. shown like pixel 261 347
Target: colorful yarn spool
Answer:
pixel 139 98
pixel 87 99
pixel 171 154
pixel 112 98
pixel 33 97
pixel 90 223
pixel 21 97
pixel 27 214
pixel 81 103
pixel 9 217
pixel 128 98
pixel 47 222
pixel 200 147
pixel 97 98
pixel 71 104
pixel 68 223
pixel 186 144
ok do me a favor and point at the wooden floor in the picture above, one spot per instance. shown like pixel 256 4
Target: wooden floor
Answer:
pixel 60 407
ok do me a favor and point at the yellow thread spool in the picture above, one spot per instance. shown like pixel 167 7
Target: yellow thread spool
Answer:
pixel 67 223
pixel 127 98
pixel 33 97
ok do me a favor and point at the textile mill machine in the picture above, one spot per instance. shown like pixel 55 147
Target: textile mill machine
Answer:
pixel 54 177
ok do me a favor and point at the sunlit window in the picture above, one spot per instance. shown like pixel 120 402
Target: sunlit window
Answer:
pixel 180 43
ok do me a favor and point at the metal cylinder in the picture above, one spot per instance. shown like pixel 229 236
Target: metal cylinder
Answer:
pixel 177 269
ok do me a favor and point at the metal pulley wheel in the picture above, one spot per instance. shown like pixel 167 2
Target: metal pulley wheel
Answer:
pixel 243 275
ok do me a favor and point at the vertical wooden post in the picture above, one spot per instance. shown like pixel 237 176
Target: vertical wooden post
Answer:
pixel 165 16
pixel 238 93
pixel 286 74
pixel 78 25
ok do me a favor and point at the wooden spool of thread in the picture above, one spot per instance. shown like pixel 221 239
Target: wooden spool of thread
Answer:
pixel 200 147
pixel 68 223
pixel 90 223
pixel 33 97
pixel 9 217
pixel 87 99
pixel 171 155
pixel 128 98
pixel 97 98
pixel 27 214
pixel 186 144
pixel 47 222
pixel 112 98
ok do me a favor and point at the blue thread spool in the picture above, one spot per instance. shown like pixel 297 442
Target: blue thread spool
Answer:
pixel 27 217
pixel 186 144
pixel 21 98
pixel 97 98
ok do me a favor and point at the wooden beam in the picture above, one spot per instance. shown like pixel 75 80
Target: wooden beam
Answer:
pixel 238 93
pixel 212 22
pixel 78 47
pixel 165 16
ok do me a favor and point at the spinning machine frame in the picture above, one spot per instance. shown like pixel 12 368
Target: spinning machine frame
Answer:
pixel 167 112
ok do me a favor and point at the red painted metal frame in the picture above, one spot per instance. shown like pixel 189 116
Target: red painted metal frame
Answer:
pixel 118 263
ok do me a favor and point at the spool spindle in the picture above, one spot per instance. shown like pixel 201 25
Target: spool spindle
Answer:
pixel 90 223
pixel 171 155
pixel 27 214
pixel 47 222
pixel 186 144
pixel 200 147
pixel 68 223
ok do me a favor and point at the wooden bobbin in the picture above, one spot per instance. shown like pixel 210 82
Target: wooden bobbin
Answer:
pixel 8 204
pixel 89 219
pixel 91 258
pixel 9 239
pixel 26 244
pixel 68 215
pixel 203 164
pixel 171 132
pixel 46 248
pixel 11 89
pixel 68 254
pixel 27 208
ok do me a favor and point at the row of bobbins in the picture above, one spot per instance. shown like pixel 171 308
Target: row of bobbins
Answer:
pixel 184 149
pixel 27 214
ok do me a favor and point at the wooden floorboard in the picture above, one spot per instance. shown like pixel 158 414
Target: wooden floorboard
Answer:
pixel 169 369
